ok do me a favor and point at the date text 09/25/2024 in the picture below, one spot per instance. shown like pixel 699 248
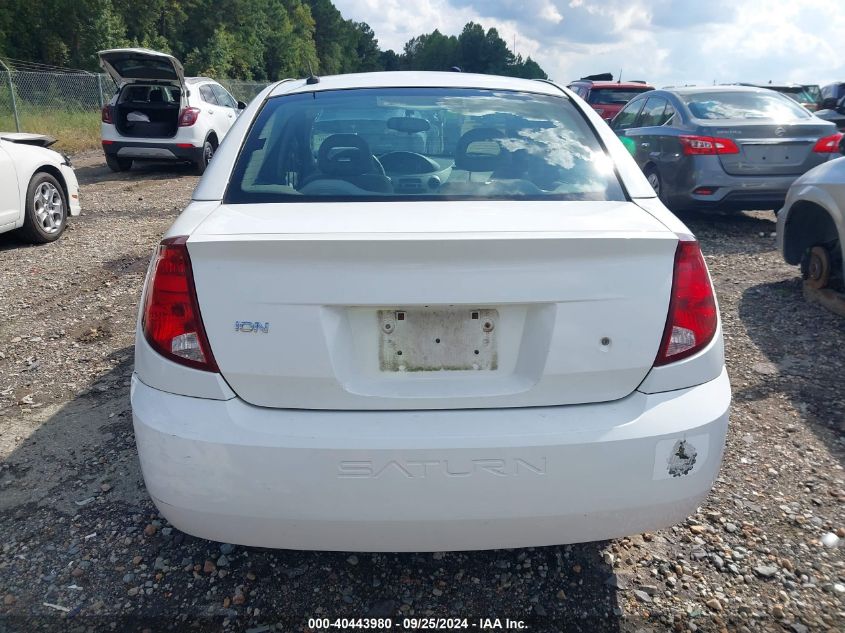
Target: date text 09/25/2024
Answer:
pixel 416 624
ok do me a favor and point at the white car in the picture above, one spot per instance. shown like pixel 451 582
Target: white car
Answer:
pixel 38 188
pixel 811 224
pixel 159 114
pixel 426 311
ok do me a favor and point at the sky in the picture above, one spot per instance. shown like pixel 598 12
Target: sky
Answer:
pixel 661 41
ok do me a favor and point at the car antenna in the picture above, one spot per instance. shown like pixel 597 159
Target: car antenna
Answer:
pixel 312 78
pixel 619 81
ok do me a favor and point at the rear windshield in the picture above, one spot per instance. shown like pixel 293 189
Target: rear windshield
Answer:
pixel 614 96
pixel 421 143
pixel 743 105
pixel 143 68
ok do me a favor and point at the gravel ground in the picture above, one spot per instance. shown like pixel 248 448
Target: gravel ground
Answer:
pixel 83 547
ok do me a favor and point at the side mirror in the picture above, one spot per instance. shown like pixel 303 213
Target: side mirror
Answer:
pixel 241 105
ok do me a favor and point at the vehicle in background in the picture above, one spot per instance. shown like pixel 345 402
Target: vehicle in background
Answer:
pixel 797 92
pixel 833 95
pixel 606 96
pixel 39 188
pixel 811 225
pixel 815 93
pixel 835 115
pixel 159 114
pixel 413 311
pixel 723 147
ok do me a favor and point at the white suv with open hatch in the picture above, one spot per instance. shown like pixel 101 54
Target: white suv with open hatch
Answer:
pixel 159 114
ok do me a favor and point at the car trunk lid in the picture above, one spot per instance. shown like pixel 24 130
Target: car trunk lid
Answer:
pixel 491 304
pixel 141 64
pixel 771 149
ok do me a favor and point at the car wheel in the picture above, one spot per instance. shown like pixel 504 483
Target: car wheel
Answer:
pixel 654 180
pixel 118 164
pixel 816 267
pixel 45 215
pixel 207 154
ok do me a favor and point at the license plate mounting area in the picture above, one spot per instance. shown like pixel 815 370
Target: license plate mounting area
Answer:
pixel 438 339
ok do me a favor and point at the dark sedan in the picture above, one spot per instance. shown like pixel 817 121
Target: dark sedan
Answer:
pixel 725 147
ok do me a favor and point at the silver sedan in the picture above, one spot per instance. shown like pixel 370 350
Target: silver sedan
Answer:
pixel 811 224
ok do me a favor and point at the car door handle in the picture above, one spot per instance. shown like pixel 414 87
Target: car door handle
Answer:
pixel 645 144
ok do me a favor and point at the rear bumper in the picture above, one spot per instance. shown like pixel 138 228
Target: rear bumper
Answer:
pixel 731 192
pixel 735 193
pixel 152 151
pixel 429 480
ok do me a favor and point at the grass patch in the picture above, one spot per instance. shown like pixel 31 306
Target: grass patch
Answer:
pixel 75 131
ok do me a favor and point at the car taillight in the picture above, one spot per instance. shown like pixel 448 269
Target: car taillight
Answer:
pixel 707 145
pixel 188 117
pixel 105 114
pixel 171 319
pixel 692 319
pixel 828 144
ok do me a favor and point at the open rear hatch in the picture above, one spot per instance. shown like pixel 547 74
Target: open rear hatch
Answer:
pixel 415 305
pixel 141 64
pixel 152 85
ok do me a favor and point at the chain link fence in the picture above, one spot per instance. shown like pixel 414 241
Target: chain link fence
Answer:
pixel 67 105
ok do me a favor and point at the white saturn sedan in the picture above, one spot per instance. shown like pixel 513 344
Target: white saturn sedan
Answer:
pixel 426 311
pixel 38 188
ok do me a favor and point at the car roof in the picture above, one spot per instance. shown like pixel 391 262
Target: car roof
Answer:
pixel 623 85
pixel 417 79
pixel 694 89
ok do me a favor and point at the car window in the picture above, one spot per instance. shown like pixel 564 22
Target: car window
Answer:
pixel 668 114
pixel 627 117
pixel 614 96
pixel 653 112
pixel 421 143
pixel 207 94
pixel 223 97
pixel 743 105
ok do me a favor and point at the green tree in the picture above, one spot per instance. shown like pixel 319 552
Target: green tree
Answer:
pixel 244 39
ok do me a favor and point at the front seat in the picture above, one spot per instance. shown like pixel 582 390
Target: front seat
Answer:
pixel 348 157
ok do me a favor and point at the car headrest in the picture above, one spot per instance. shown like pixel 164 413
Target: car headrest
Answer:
pixel 156 95
pixel 467 156
pixel 344 155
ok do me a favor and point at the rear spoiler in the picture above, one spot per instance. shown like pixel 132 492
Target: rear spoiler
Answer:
pixel 24 138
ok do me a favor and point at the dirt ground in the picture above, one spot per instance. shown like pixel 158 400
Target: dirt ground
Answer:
pixel 83 547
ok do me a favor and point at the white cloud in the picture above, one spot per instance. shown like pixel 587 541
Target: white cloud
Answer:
pixel 662 41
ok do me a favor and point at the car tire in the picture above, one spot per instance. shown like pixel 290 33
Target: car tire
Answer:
pixel 653 177
pixel 118 164
pixel 208 149
pixel 46 211
pixel 819 266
